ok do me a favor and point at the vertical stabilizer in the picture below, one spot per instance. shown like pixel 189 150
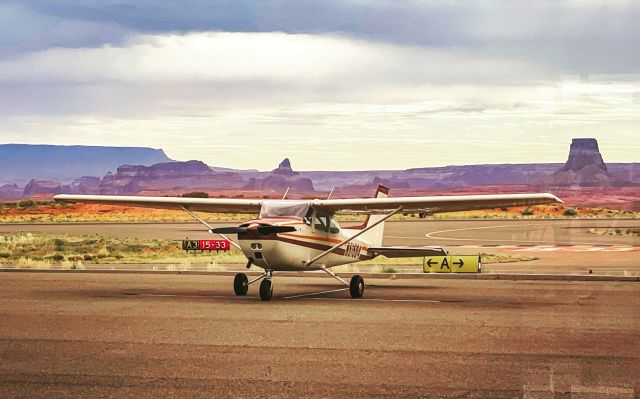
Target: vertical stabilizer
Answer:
pixel 374 236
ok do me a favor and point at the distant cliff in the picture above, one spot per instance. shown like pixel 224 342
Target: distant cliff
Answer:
pixel 190 175
pixel 19 163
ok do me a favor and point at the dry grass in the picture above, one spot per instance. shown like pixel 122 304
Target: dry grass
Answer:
pixel 75 251
pixel 615 232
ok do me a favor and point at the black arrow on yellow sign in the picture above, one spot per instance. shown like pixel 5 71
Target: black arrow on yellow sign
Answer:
pixel 460 263
pixel 431 262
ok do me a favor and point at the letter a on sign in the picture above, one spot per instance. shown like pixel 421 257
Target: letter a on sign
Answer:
pixel 445 263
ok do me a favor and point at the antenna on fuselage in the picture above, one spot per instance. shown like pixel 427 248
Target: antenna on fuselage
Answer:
pixel 285 193
pixel 331 192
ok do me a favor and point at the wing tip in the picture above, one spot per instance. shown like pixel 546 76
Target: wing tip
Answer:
pixel 555 198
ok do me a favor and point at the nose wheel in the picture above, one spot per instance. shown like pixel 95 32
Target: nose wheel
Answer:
pixel 241 285
pixel 266 290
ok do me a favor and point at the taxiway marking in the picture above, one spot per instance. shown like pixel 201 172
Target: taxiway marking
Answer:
pixel 547 245
pixel 309 296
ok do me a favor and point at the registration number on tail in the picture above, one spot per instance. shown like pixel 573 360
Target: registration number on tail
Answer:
pixel 206 245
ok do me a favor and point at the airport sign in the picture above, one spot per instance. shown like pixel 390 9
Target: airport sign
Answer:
pixel 452 264
pixel 206 245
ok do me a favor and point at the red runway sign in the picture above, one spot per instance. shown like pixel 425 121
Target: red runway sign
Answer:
pixel 206 245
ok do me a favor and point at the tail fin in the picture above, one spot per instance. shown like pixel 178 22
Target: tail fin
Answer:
pixel 374 236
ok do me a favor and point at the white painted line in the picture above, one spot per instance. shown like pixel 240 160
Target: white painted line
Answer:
pixel 187 296
pixel 373 300
pixel 315 293
pixel 433 237
pixel 301 296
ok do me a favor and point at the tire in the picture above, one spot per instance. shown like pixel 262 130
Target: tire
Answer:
pixel 266 290
pixel 241 284
pixel 356 286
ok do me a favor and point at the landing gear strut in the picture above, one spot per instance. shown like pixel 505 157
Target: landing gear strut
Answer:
pixel 241 285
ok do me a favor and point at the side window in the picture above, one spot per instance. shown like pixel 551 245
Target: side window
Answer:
pixel 321 222
pixel 333 226
pixel 326 223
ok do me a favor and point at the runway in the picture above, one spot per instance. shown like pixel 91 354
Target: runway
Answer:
pixel 561 245
pixel 143 336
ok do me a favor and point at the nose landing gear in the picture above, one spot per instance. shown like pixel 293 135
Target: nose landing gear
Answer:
pixel 241 285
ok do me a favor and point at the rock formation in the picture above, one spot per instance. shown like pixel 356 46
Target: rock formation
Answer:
pixel 40 186
pixel 10 191
pixel 280 179
pixel 585 166
pixel 284 168
pixel 190 175
pixel 83 185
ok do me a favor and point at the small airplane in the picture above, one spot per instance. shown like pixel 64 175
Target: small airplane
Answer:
pixel 303 235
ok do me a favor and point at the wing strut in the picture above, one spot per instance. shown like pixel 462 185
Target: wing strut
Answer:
pixel 328 251
pixel 193 215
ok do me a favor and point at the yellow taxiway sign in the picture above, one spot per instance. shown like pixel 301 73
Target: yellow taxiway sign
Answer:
pixel 452 264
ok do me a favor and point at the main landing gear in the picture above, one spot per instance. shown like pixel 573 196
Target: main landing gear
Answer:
pixel 241 285
pixel 356 285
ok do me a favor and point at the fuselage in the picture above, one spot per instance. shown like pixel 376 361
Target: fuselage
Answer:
pixel 292 251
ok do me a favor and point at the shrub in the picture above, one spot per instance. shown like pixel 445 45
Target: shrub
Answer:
pixel 26 203
pixel 57 257
pixel 527 212
pixel 5 255
pixel 570 212
pixel 388 269
pixel 87 257
pixel 196 194
pixel 59 244
pixel 101 256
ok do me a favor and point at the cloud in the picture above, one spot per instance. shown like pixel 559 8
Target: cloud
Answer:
pixel 569 36
pixel 169 73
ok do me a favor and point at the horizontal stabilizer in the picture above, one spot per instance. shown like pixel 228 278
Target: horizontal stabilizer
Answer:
pixel 408 252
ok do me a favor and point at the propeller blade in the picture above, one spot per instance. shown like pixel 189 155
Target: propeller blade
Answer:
pixel 229 230
pixel 275 229
pixel 264 230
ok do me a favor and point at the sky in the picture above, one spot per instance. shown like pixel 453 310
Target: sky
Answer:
pixel 333 85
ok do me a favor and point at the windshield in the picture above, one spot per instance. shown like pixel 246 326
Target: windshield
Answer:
pixel 297 209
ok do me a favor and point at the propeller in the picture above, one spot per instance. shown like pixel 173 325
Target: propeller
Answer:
pixel 263 230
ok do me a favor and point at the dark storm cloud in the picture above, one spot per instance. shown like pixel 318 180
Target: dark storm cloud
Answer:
pixel 572 36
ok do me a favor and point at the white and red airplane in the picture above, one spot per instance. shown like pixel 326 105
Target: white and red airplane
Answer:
pixel 303 235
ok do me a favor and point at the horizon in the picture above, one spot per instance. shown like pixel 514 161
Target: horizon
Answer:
pixel 298 169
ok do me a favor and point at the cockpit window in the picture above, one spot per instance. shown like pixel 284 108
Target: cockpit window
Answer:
pixel 326 223
pixel 274 209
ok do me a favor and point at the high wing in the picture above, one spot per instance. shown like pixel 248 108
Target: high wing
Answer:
pixel 408 252
pixel 436 204
pixel 213 205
